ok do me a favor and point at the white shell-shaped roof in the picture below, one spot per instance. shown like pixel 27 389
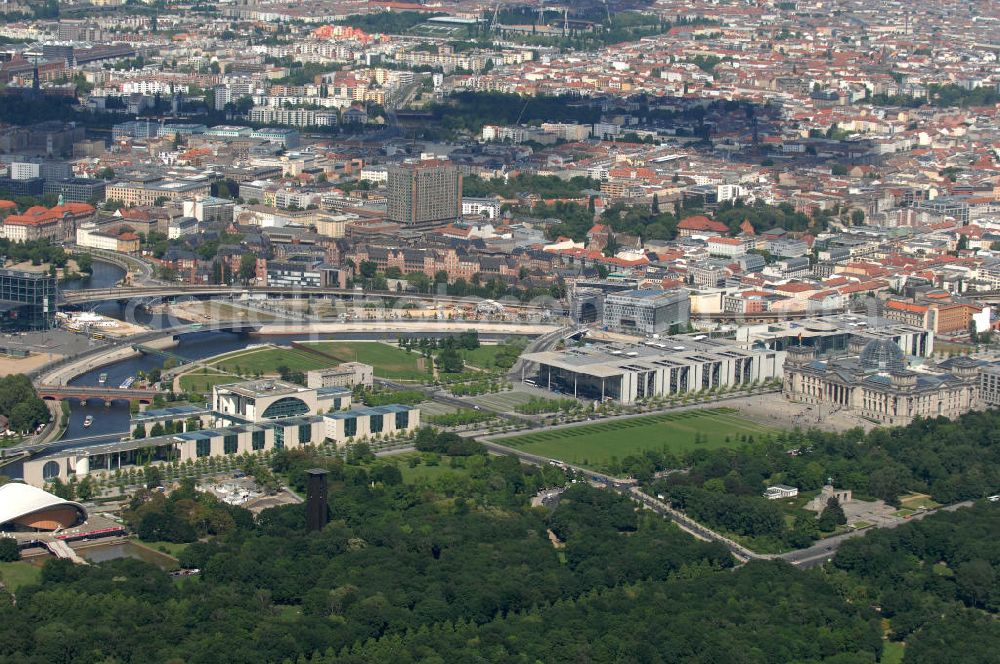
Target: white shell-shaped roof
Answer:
pixel 18 500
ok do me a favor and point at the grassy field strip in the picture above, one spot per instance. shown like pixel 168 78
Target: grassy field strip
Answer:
pixel 225 357
pixel 388 361
pixel 748 425
pixel 19 573
pixel 267 361
pixel 203 382
pixel 595 444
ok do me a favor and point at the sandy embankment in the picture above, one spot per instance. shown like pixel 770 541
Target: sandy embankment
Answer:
pixel 19 365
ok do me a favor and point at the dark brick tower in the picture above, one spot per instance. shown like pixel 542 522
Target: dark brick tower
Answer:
pixel 316 507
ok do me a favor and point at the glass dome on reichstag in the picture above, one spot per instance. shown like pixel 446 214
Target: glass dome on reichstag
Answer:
pixel 883 355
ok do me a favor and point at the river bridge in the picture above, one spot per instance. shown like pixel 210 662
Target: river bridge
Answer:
pixel 175 291
pixel 88 392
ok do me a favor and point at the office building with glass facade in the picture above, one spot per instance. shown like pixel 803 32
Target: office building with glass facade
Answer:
pixel 27 300
pixel 369 422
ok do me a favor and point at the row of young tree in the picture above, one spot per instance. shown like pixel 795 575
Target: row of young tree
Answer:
pixel 476 286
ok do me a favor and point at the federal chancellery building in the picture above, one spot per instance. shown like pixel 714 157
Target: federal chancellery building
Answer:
pixel 244 417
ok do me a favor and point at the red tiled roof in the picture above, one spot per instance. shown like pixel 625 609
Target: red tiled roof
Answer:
pixel 702 223
pixel 897 305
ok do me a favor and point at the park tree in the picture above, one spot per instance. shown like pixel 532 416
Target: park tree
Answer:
pixel 449 361
pixel 419 282
pixel 831 516
pixel 977 584
pixel 64 490
pixel 388 474
pixel 9 551
pixel 152 476
pixel 86 489
pixel 26 416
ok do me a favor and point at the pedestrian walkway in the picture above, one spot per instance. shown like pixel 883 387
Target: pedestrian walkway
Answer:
pixel 61 549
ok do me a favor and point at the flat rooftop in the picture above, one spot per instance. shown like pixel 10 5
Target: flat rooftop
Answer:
pixel 262 388
pixel 608 360
pixel 374 410
pixel 650 294
pixel 858 324
pixel 183 411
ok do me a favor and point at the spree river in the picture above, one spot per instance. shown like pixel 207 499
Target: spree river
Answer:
pixel 112 422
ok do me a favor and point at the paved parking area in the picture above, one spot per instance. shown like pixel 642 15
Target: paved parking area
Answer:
pixel 258 505
pixel 42 347
pixel 57 341
pixel 876 513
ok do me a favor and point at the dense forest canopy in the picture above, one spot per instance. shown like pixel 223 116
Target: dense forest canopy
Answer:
pixel 462 568
pixel 394 558
pixel 949 460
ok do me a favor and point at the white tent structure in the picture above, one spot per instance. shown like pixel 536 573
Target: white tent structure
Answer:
pixel 24 507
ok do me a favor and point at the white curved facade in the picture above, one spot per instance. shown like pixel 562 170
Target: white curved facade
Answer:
pixel 25 507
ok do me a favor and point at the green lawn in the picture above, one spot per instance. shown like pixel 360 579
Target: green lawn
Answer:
pixel 917 500
pixel 267 361
pixel 288 613
pixel 892 652
pixel 202 381
pixel 422 472
pixel 18 574
pixel 483 357
pixel 388 361
pixel 594 444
